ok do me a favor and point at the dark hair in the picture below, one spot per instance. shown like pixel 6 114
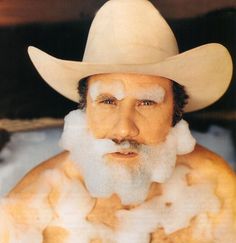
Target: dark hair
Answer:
pixel 82 90
pixel 180 100
pixel 179 93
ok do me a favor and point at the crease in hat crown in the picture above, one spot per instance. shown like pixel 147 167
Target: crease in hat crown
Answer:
pixel 135 32
pixel 130 36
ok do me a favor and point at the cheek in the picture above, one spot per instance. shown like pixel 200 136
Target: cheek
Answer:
pixel 155 126
pixel 100 120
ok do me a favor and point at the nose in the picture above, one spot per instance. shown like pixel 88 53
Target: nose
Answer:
pixel 125 127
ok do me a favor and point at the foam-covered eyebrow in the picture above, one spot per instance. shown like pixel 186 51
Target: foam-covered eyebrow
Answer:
pixel 115 88
pixel 155 93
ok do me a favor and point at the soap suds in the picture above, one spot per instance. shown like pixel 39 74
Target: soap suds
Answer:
pixel 184 202
pixel 156 93
pixel 115 88
pixel 172 211
pixel 102 179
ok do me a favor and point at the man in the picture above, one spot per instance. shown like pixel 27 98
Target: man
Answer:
pixel 132 171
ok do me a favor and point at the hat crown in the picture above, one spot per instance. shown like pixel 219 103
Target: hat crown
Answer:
pixel 129 32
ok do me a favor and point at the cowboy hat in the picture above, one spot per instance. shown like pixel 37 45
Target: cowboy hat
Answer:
pixel 130 36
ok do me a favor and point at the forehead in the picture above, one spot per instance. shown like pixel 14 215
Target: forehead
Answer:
pixel 123 84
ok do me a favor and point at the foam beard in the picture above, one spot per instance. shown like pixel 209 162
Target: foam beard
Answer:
pixel 131 184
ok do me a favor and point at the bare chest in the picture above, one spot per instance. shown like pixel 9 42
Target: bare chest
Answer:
pixel 174 212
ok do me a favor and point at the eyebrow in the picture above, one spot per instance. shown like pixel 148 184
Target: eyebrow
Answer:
pixel 102 97
pixel 156 93
pixel 115 89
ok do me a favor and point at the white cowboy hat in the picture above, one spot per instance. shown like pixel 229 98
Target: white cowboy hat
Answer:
pixel 130 36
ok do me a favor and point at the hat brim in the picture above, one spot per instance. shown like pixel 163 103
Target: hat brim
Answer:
pixel 205 71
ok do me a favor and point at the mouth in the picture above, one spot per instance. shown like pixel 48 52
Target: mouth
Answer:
pixel 123 155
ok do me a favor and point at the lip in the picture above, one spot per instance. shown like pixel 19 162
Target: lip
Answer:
pixel 123 155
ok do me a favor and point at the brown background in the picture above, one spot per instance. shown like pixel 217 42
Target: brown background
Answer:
pixel 22 11
pixel 26 24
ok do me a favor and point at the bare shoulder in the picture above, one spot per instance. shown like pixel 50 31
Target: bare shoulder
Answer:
pixel 208 166
pixel 203 159
pixel 59 162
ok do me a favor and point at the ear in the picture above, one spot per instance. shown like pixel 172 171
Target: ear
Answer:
pixel 184 140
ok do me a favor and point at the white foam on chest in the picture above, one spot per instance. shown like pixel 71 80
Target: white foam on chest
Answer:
pixel 172 211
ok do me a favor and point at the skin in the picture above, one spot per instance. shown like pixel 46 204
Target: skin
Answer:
pixel 144 121
pixel 126 120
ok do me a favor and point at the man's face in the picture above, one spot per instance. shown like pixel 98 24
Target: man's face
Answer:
pixel 130 107
pixel 125 140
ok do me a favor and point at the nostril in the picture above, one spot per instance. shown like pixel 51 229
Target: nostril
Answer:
pixel 118 141
pixel 115 141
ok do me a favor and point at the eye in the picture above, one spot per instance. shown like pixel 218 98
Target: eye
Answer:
pixel 108 101
pixel 146 103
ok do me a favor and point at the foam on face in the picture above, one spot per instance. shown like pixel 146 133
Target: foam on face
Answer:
pixel 117 90
pixel 156 93
pixel 104 179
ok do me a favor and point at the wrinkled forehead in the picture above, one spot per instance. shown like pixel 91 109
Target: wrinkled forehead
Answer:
pixel 120 90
